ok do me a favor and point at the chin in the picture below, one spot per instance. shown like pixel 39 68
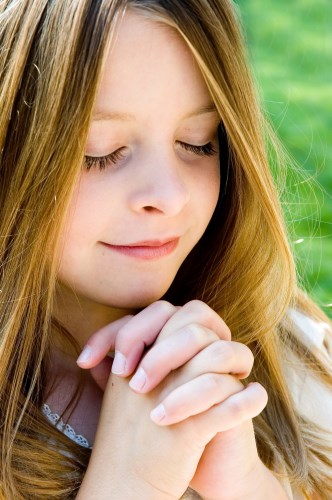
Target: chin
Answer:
pixel 137 299
pixel 139 302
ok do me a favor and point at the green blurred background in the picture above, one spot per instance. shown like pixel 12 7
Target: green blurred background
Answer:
pixel 290 48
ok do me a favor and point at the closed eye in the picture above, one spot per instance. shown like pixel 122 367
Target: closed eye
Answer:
pixel 105 161
pixel 205 150
pixel 118 155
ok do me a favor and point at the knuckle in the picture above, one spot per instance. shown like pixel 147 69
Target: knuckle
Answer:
pixel 198 305
pixel 248 352
pixel 173 408
pixel 227 331
pixel 127 317
pixel 238 408
pixel 251 358
pixel 121 333
pixel 164 306
pixel 124 327
pixel 223 350
pixel 211 382
pixel 207 315
pixel 247 356
pixel 195 332
pixel 261 394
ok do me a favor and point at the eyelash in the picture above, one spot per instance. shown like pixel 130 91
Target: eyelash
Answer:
pixel 104 161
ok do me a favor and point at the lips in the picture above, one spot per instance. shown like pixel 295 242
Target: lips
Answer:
pixel 146 249
pixel 150 243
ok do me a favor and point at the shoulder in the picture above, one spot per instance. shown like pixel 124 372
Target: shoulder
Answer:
pixel 311 396
pixel 316 334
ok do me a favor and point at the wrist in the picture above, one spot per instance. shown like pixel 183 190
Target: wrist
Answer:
pixel 261 485
pixel 126 490
pixel 114 483
pixel 267 486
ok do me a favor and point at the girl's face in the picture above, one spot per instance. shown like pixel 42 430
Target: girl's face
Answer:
pixel 151 180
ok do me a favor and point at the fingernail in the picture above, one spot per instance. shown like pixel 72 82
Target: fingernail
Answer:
pixel 138 380
pixel 119 363
pixel 158 413
pixel 85 355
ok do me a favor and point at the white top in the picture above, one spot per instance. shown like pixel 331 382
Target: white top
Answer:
pixel 311 398
pixel 67 429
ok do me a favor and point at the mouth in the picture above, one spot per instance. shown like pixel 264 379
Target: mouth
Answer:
pixel 151 243
pixel 147 249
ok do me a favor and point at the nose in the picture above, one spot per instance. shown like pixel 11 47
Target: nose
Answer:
pixel 160 186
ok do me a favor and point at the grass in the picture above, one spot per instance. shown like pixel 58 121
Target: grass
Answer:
pixel 290 48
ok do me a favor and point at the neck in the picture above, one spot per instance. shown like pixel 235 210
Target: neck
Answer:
pixel 81 316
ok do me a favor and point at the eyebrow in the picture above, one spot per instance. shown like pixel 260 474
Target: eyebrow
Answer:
pixel 113 115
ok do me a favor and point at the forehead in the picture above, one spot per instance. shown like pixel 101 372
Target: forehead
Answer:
pixel 149 64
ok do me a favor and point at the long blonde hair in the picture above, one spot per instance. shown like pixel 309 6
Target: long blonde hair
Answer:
pixel 51 59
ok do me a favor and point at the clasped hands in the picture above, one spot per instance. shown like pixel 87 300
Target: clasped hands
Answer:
pixel 185 357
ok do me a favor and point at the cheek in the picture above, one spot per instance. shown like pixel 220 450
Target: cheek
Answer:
pixel 82 219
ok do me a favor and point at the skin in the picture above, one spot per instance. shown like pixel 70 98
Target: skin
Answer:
pixel 158 189
pixel 193 370
pixel 190 365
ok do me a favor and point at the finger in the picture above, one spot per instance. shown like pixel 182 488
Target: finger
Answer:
pixel 138 333
pixel 101 343
pixel 173 352
pixel 233 411
pixel 198 348
pixel 195 397
pixel 197 312
pixel 221 356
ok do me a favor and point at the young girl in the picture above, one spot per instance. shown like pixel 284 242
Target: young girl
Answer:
pixel 139 217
